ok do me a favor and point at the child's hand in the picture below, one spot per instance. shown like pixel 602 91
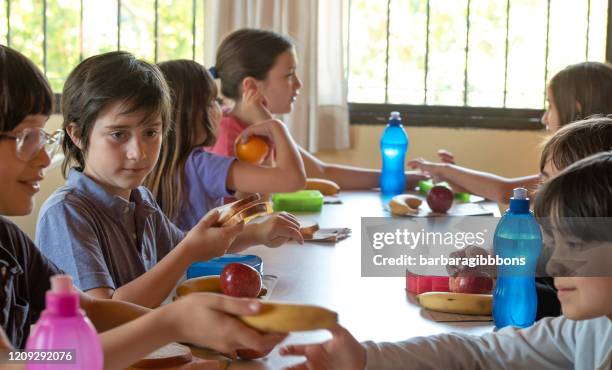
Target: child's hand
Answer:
pixel 446 156
pixel 342 352
pixel 208 320
pixel 254 106
pixel 435 170
pixel 205 241
pixel 267 129
pixel 279 229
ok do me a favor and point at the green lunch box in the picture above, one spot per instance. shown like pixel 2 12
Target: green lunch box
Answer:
pixel 300 201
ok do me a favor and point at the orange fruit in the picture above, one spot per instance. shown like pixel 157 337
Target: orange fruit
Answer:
pixel 254 150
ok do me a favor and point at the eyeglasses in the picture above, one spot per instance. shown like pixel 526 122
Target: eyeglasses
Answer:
pixel 31 140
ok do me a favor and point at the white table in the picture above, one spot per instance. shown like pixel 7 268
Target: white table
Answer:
pixel 329 275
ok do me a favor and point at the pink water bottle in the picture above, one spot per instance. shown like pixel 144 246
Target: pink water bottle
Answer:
pixel 64 335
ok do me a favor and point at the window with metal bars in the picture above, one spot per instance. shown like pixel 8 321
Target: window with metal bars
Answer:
pixel 466 63
pixel 58 34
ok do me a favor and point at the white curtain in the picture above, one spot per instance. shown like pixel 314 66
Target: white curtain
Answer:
pixel 320 116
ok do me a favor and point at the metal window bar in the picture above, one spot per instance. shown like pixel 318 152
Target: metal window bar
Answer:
pixel 506 53
pixel 586 51
pixel 193 29
pixel 81 53
pixel 156 33
pixel 546 52
pixel 387 53
pixel 609 34
pixel 8 23
pixel 44 40
pixel 118 24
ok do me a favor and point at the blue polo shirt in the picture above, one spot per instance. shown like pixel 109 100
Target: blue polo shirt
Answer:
pixel 100 239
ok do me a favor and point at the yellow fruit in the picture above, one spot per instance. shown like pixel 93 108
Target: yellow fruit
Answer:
pixel 461 303
pixel 404 204
pixel 278 317
pixel 326 187
pixel 211 284
pixel 254 150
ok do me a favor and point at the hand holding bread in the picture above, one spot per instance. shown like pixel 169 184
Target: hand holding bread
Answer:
pixel 211 320
pixel 241 210
pixel 208 239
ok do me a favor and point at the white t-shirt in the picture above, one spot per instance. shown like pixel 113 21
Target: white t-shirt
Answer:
pixel 551 343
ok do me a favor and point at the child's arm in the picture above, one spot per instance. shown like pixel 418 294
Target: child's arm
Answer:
pixel 288 174
pixel 549 344
pixel 107 314
pixel 490 186
pixel 275 231
pixel 203 242
pixel 349 177
pixel 206 320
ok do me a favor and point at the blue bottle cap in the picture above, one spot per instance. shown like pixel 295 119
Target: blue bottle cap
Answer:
pixel 216 265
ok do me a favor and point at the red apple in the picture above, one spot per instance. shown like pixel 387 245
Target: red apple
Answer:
pixel 474 282
pixel 250 354
pixel 240 280
pixel 440 199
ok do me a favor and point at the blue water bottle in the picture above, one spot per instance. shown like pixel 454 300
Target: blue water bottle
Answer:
pixel 393 147
pixel 517 244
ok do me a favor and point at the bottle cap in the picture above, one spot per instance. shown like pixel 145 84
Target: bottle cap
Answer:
pixel 61 284
pixel 519 193
pixel 395 115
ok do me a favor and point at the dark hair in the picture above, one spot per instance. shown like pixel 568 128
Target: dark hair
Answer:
pixel 24 90
pixel 102 80
pixel 193 91
pixel 247 53
pixel 589 84
pixel 576 196
pixel 576 141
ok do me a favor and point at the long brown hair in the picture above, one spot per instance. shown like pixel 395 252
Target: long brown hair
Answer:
pixel 589 84
pixel 247 53
pixel 192 91
pixel 102 80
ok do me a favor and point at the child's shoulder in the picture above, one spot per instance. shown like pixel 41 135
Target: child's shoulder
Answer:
pixel 63 196
pixel 14 241
pixel 8 229
pixel 146 197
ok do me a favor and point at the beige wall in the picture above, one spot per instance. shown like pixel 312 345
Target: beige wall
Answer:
pixel 508 153
pixel 505 152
